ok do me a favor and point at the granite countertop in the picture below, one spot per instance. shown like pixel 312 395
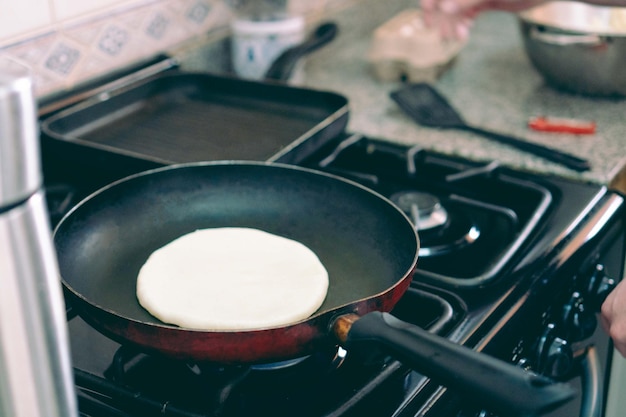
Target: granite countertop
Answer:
pixel 492 83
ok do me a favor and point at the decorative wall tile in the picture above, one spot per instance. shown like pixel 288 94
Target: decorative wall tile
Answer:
pixel 197 12
pixel 33 51
pixel 113 40
pixel 78 50
pixel 62 58
pixel 67 42
pixel 158 25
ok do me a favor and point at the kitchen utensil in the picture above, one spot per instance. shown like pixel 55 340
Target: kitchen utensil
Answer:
pixel 367 244
pixel 35 371
pixel 423 103
pixel 577 47
pixel 559 125
pixel 183 117
pixel 282 68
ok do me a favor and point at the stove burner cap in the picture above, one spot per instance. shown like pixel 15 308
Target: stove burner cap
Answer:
pixel 424 209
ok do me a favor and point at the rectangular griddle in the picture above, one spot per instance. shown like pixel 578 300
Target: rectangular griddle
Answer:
pixel 181 117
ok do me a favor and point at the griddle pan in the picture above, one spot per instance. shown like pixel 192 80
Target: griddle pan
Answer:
pixel 181 117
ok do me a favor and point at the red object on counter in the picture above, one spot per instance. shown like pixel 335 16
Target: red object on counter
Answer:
pixel 557 125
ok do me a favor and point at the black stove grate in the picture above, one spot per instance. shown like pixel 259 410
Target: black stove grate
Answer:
pixel 490 214
pixel 328 383
pixel 531 214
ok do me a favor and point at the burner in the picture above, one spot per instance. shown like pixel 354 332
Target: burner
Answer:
pixel 334 361
pixel 227 390
pixel 470 236
pixel 440 231
pixel 471 217
pixel 328 382
pixel 424 209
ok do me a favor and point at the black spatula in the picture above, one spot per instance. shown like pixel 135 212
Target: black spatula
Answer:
pixel 429 108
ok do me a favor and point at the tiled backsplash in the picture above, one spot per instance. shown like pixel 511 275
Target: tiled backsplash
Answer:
pixel 67 42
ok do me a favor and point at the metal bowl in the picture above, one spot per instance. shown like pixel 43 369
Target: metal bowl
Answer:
pixel 578 47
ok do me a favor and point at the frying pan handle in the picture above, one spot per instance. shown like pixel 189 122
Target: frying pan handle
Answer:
pixel 491 383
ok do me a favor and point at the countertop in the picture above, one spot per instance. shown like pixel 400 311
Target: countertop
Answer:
pixel 492 83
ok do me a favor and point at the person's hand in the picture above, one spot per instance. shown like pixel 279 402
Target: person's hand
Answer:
pixel 453 18
pixel 613 317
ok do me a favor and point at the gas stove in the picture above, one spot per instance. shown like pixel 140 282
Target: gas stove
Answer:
pixel 530 256
pixel 334 382
pixel 472 219
pixel 512 264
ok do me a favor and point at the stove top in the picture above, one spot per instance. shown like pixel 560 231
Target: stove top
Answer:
pixel 472 219
pixel 334 382
pixel 490 237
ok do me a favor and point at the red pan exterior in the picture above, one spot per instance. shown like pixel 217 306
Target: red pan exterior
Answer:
pixel 238 347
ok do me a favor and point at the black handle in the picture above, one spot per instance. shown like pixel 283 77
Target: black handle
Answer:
pixel 496 385
pixel 570 161
pixel 283 66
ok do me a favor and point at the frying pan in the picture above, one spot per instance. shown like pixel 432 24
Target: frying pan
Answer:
pixel 367 244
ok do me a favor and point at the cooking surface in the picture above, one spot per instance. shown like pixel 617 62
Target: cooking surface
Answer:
pixel 178 118
pixel 492 83
pixel 471 218
pixel 533 213
pixel 276 389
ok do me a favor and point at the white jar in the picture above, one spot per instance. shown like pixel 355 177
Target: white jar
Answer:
pixel 257 43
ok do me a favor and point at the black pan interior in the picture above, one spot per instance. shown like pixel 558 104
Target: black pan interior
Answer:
pixel 366 244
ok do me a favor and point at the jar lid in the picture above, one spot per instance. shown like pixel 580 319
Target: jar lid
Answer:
pixel 287 25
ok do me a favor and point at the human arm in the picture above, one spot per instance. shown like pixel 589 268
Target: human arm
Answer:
pixel 454 18
pixel 613 317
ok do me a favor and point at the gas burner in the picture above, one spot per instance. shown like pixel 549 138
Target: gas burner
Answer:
pixel 125 380
pixel 128 360
pixel 471 217
pixel 458 241
pixel 440 232
pixel 228 389
pixel 331 361
pixel 424 209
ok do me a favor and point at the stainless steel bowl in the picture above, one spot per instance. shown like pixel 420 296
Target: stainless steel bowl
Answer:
pixel 578 47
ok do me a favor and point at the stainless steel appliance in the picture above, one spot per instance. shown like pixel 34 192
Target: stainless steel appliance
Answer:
pixel 35 371
pixel 512 264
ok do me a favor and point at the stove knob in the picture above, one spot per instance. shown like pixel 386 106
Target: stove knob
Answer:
pixel 600 285
pixel 579 320
pixel 554 354
pixel 559 359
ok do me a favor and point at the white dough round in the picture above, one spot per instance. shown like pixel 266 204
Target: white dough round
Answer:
pixel 232 278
